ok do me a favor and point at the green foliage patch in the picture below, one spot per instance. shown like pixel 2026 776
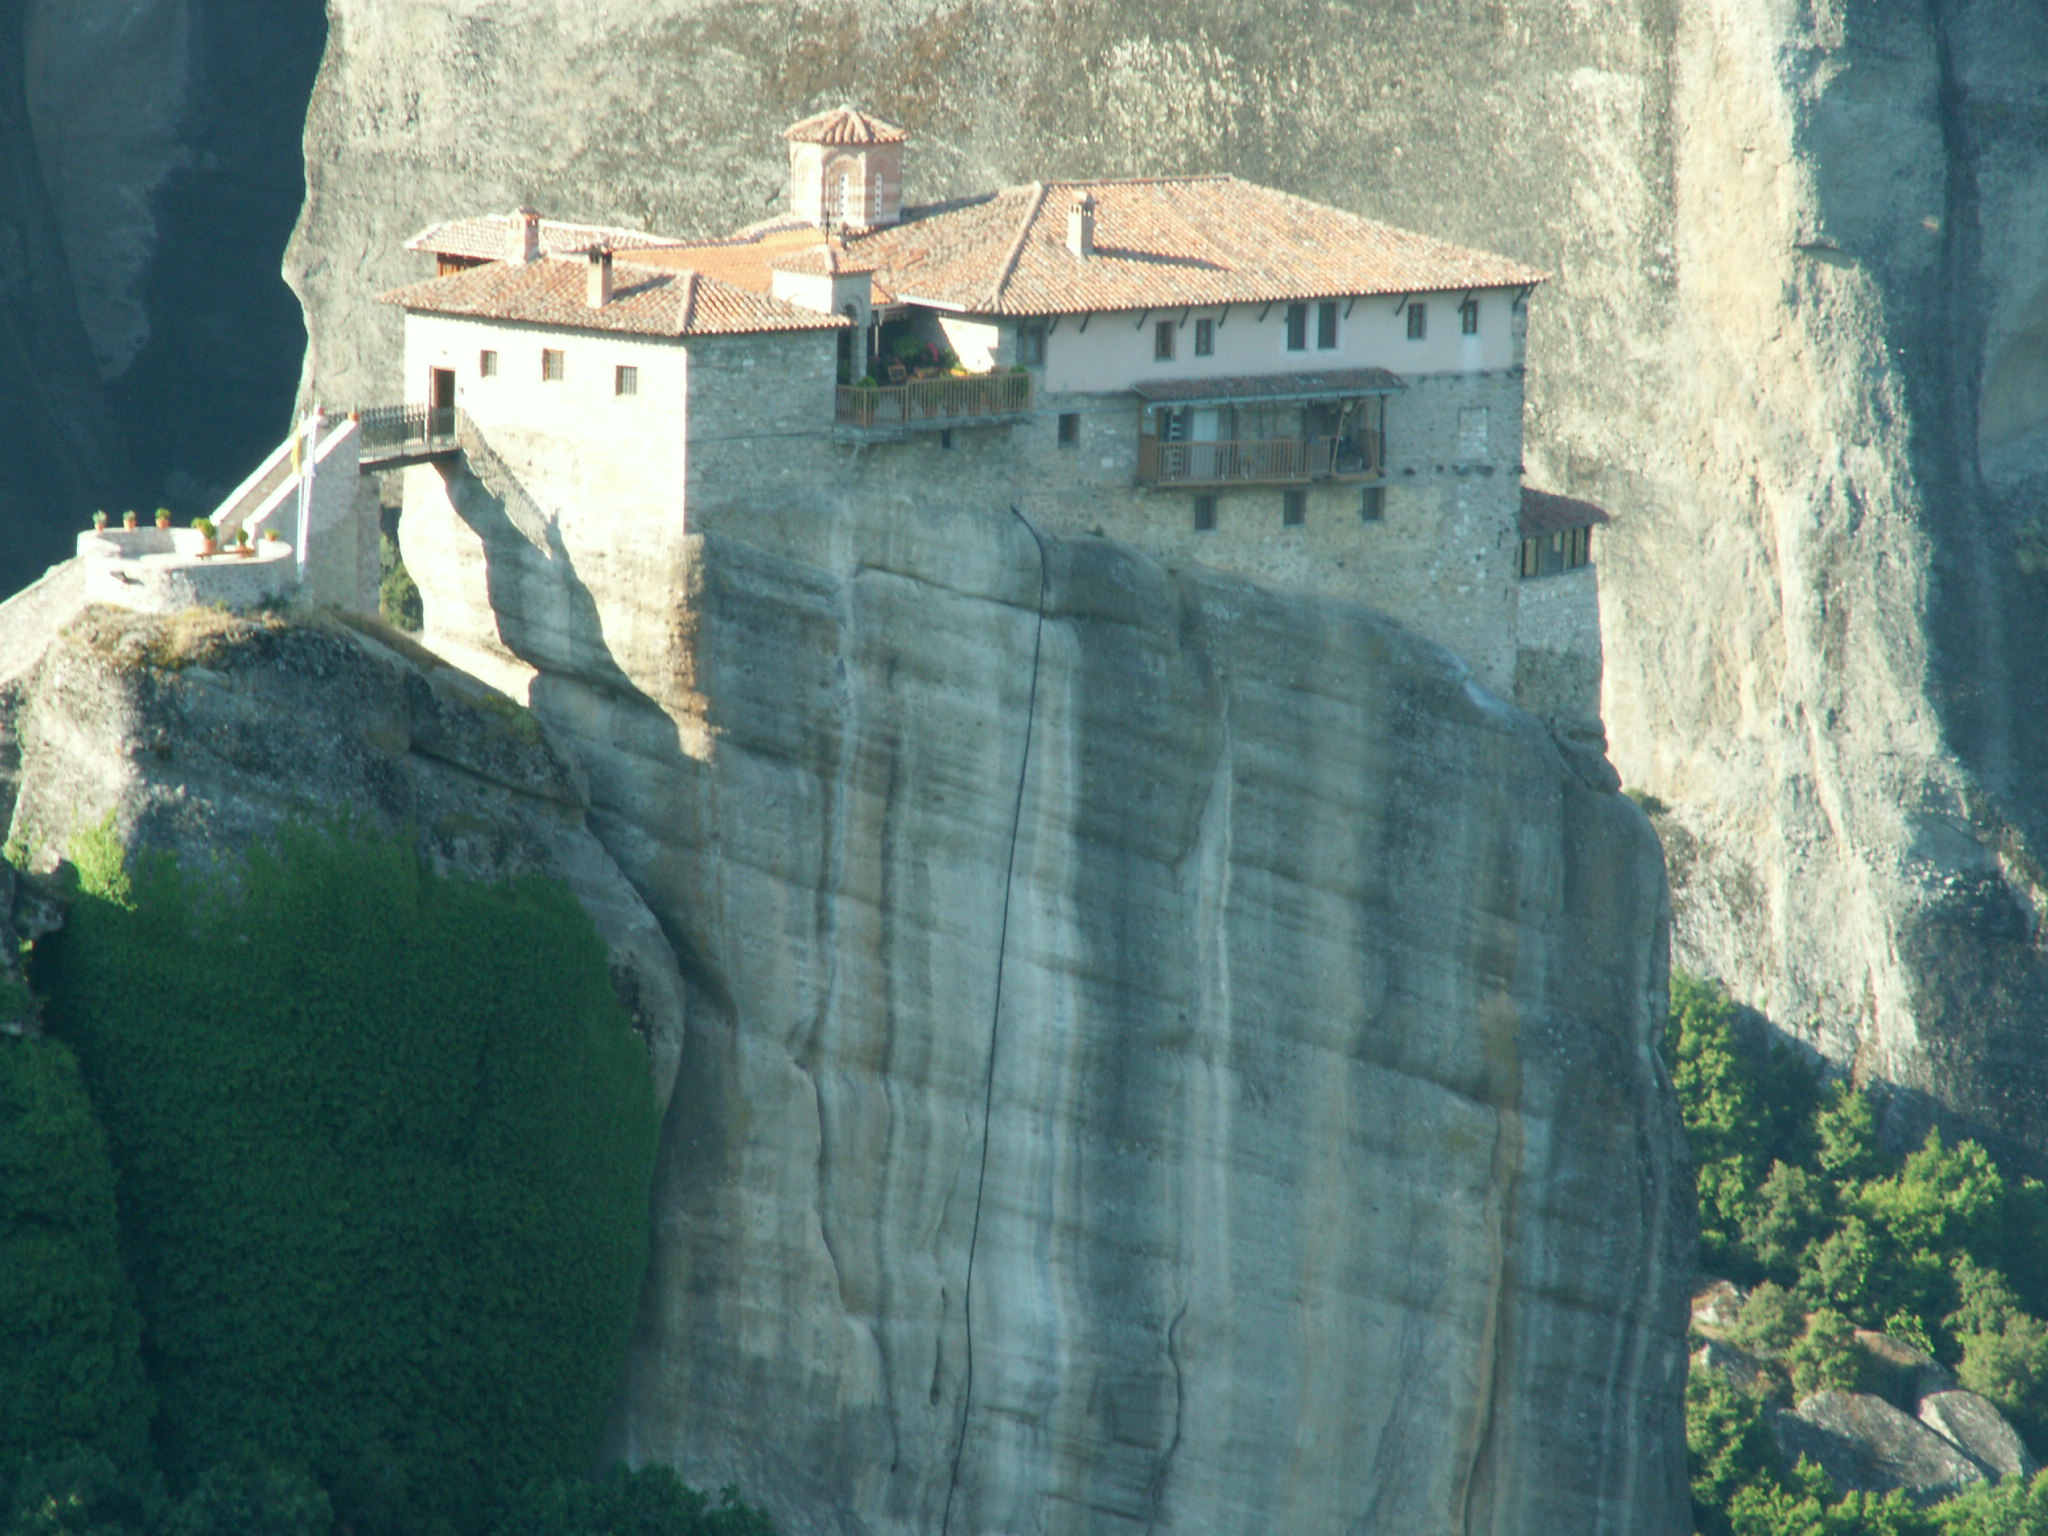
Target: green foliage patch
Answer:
pixel 1797 1198
pixel 70 1339
pixel 384 1142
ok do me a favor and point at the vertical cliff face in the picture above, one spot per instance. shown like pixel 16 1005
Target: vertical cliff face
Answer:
pixel 1795 344
pixel 1163 1055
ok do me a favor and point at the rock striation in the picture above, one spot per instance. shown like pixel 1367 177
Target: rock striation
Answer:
pixel 1164 1055
pixel 1795 345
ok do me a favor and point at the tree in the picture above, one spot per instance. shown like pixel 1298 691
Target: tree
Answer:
pixel 70 1361
pixel 384 1142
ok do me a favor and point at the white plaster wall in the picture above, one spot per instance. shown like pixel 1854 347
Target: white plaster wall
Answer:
pixel 979 344
pixel 1114 351
pixel 623 452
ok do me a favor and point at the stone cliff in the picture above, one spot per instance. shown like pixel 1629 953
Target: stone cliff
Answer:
pixel 200 733
pixel 1163 1055
pixel 1797 344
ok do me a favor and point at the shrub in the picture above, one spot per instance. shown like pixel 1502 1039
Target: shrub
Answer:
pixel 70 1361
pixel 384 1143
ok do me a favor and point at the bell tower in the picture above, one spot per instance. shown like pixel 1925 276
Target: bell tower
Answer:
pixel 846 170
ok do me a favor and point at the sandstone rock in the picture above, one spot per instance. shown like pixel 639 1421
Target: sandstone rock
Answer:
pixel 1866 1445
pixel 1163 1054
pixel 200 733
pixel 1738 1366
pixel 1793 345
pixel 1909 1373
pixel 1979 1430
pixel 1716 1306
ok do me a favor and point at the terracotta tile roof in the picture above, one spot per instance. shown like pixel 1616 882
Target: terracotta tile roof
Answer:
pixel 1160 243
pixel 750 258
pixel 1278 386
pixel 646 301
pixel 492 237
pixel 1545 513
pixel 844 125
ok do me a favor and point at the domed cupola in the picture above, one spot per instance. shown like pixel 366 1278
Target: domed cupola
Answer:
pixel 846 170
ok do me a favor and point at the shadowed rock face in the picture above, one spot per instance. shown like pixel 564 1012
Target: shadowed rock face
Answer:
pixel 1795 343
pixel 1163 1055
pixel 153 168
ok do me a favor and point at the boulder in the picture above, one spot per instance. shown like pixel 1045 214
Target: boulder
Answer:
pixel 1865 1445
pixel 1715 1306
pixel 1980 1431
pixel 1906 1374
pixel 1739 1366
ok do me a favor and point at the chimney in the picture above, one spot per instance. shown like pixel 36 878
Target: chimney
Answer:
pixel 1081 226
pixel 525 235
pixel 599 292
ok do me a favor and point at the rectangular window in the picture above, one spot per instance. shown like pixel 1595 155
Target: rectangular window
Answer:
pixel 1468 318
pixel 487 364
pixel 1205 338
pixel 1293 508
pixel 1031 344
pixel 946 438
pixel 1162 340
pixel 1205 514
pixel 1418 320
pixel 625 381
pixel 552 365
pixel 1070 429
pixel 1326 325
pixel 1372 504
pixel 1297 327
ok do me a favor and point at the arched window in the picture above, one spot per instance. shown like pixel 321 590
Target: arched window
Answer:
pixel 838 191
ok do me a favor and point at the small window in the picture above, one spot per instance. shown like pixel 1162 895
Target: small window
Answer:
pixel 1372 504
pixel 1162 340
pixel 1326 325
pixel 1297 327
pixel 1418 320
pixel 1468 318
pixel 1205 514
pixel 625 381
pixel 1293 508
pixel 1070 429
pixel 487 364
pixel 1031 344
pixel 552 365
pixel 1205 338
pixel 946 438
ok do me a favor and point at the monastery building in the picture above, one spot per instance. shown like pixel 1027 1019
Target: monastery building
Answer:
pixel 1213 371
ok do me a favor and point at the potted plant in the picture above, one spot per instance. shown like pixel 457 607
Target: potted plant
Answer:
pixel 242 545
pixel 163 517
pixel 272 536
pixel 209 541
pixel 128 518
pixel 99 522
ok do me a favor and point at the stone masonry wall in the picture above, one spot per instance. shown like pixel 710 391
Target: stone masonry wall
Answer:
pixel 1557 661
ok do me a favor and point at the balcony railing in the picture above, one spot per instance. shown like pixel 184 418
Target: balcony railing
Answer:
pixel 935 402
pixel 405 432
pixel 1256 459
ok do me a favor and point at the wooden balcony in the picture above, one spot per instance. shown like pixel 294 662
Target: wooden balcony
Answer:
pixel 1258 461
pixel 930 403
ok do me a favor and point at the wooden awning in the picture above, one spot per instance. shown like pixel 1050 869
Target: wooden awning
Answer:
pixel 1324 384
pixel 1544 513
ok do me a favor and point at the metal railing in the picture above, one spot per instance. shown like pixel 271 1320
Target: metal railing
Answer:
pixel 405 431
pixel 1256 459
pixel 934 402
